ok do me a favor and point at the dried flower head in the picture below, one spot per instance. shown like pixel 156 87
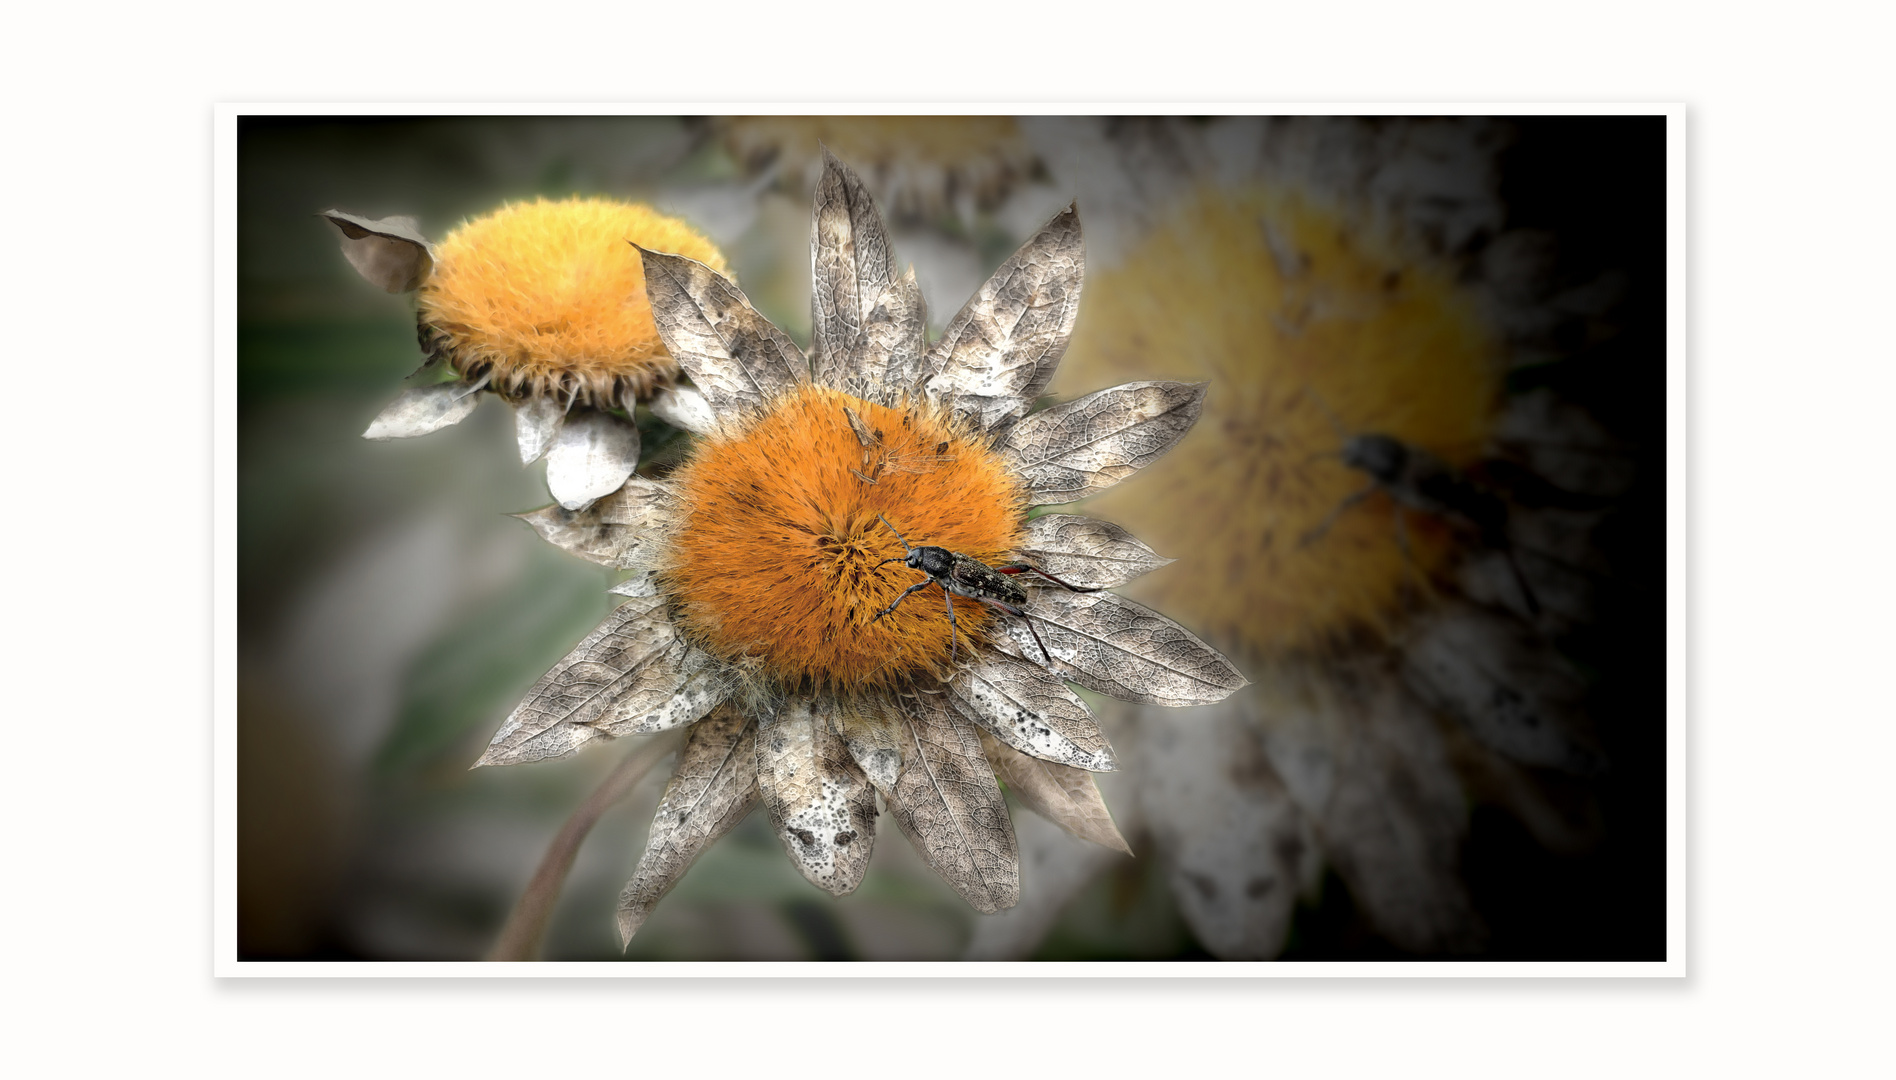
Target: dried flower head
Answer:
pixel 543 304
pixel 811 648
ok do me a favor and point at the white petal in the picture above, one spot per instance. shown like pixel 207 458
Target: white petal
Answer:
pixel 536 421
pixel 683 407
pixel 591 458
pixel 421 410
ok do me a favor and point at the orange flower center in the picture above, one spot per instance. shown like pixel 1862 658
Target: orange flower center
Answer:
pixel 776 555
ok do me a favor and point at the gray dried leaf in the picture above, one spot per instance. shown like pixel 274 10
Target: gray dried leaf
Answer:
pixel 1236 849
pixel 617 531
pixel 948 805
pixel 1031 710
pixel 1084 552
pixel 592 455
pixel 885 360
pixel 420 410
pixel 536 421
pixel 684 408
pixel 1116 647
pixel 871 733
pixel 998 354
pixel 676 686
pixel 1082 447
pixel 735 357
pixel 1513 691
pixel 713 788
pixel 556 716
pixel 1066 796
pixel 821 803
pixel 390 254
pixel 850 265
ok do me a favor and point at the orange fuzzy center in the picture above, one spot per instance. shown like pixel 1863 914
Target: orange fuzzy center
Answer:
pixel 775 557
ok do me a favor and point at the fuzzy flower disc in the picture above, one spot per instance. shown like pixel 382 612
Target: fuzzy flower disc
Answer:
pixel 549 298
pixel 1346 335
pixel 775 557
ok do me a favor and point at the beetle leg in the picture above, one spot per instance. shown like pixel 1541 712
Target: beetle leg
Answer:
pixel 951 624
pixel 1316 534
pixel 910 591
pixel 1022 616
pixel 1023 568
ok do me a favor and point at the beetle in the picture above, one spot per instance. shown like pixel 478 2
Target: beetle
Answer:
pixel 963 575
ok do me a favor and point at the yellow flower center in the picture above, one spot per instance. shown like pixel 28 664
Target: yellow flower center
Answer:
pixel 1312 332
pixel 775 554
pixel 549 298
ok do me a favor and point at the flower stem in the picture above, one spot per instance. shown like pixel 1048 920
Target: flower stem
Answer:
pixel 520 938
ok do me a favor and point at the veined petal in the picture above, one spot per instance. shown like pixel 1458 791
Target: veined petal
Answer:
pixel 1031 710
pixel 675 687
pixel 591 456
pixel 885 361
pixel 683 407
pixel 735 357
pixel 536 421
pixel 948 805
pixel 420 410
pixel 713 788
pixel 821 803
pixel 1066 796
pixel 850 265
pixel 1087 445
pixel 999 352
pixel 642 584
pixel 1116 647
pixel 617 531
pixel 872 734
pixel 389 253
pixel 557 714
pixel 1087 553
pixel 1058 867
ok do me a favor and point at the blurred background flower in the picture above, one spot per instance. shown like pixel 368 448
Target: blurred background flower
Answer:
pixel 1389 793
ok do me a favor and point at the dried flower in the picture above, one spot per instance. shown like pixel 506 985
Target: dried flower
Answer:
pixel 767 609
pixel 542 304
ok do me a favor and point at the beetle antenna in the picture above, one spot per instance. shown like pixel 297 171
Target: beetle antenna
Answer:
pixel 898 536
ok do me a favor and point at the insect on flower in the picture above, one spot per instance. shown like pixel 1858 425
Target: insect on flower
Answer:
pixel 960 575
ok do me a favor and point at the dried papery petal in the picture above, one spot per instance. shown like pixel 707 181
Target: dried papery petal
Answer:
pixel 713 788
pixel 536 421
pixel 822 805
pixel 850 265
pixel 1116 647
pixel 1236 848
pixel 685 408
pixel 1000 351
pixel 1055 867
pixel 389 253
pixel 871 733
pixel 420 410
pixel 1085 553
pixel 885 361
pixel 1515 693
pixel 1032 711
pixel 557 714
pixel 948 805
pixel 676 686
pixel 592 455
pixel 617 531
pixel 1064 795
pixel 1087 445
pixel 643 584
pixel 734 356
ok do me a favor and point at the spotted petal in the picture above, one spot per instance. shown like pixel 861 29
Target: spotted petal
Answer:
pixel 713 788
pixel 735 357
pixel 1066 796
pixel 1031 710
pixel 885 361
pixel 685 408
pixel 1086 553
pixel 536 421
pixel 556 718
pixel 998 354
pixel 948 805
pixel 592 455
pixel 617 531
pixel 1116 647
pixel 850 265
pixel 821 803
pixel 389 253
pixel 674 687
pixel 420 410
pixel 1085 446
pixel 871 732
